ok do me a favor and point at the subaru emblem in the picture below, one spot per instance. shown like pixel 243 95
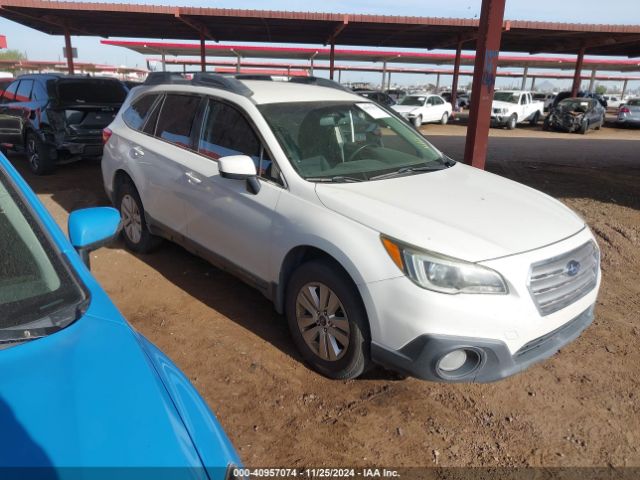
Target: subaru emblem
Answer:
pixel 572 268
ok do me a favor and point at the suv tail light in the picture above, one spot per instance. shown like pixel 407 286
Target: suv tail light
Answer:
pixel 106 135
pixel 624 109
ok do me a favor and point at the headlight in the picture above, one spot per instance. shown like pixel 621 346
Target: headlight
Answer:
pixel 441 273
pixel 504 110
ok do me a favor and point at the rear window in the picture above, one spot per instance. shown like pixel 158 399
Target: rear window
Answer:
pixel 91 91
pixel 136 114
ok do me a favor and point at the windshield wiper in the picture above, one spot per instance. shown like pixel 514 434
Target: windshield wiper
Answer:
pixel 16 335
pixel 407 171
pixel 334 179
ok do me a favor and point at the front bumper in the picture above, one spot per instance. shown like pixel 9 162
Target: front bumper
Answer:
pixel 499 120
pixel 493 362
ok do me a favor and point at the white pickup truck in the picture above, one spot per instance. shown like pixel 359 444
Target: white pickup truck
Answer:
pixel 511 107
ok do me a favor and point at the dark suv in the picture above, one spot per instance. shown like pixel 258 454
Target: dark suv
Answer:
pixel 58 118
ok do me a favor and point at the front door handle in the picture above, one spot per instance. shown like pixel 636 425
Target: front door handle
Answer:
pixel 136 152
pixel 193 178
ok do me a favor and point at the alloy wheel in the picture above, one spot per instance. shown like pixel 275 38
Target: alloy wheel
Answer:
pixel 131 218
pixel 323 321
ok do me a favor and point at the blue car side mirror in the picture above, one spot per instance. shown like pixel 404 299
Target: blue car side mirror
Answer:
pixel 92 228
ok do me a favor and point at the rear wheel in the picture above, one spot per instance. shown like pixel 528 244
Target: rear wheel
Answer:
pixel 534 120
pixel 417 122
pixel 512 122
pixel 135 231
pixel 445 118
pixel 40 161
pixel 600 123
pixel 327 320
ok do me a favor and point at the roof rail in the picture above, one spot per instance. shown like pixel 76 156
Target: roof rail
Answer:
pixel 321 82
pixel 253 76
pixel 204 79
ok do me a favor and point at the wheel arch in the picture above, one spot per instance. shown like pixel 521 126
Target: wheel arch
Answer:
pixel 297 256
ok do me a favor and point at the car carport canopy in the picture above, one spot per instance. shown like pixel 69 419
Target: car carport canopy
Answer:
pixel 487 36
pixel 148 21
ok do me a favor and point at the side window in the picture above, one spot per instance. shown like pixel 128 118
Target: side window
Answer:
pixel 225 132
pixel 38 93
pixel 177 119
pixel 24 91
pixel 431 101
pixel 437 101
pixel 9 94
pixel 135 115
pixel 523 99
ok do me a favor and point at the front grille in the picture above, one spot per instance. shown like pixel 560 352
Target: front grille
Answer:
pixel 560 281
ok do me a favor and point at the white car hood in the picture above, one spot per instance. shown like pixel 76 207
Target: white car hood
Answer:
pixel 461 211
pixel 405 108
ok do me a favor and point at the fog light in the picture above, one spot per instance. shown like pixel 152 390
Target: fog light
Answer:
pixel 452 361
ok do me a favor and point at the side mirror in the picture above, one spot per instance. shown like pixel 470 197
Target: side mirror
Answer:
pixel 240 167
pixel 92 228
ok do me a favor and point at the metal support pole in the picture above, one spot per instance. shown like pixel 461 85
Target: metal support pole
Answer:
pixel 437 82
pixel 184 68
pixel 164 63
pixel 524 78
pixel 203 57
pixel 69 50
pixel 311 60
pixel 533 83
pixel 389 81
pixel 311 69
pixel 576 75
pixel 592 80
pixel 624 89
pixel 484 78
pixel 332 59
pixel 340 76
pixel 384 75
pixel 456 75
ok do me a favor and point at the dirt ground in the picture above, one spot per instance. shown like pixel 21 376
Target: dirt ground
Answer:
pixel 580 408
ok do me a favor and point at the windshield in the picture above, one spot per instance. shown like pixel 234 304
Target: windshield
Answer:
pixel 91 91
pixel 38 295
pixel 413 101
pixel 633 103
pixel 506 97
pixel 325 140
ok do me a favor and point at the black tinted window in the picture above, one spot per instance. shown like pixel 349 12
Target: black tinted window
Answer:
pixel 10 93
pixel 177 118
pixel 91 91
pixel 137 112
pixel 227 132
pixel 24 91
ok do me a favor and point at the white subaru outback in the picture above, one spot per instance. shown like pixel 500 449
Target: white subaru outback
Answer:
pixel 377 247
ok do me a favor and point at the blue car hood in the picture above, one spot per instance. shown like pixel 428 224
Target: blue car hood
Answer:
pixel 89 396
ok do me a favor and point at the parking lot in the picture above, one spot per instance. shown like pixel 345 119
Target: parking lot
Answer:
pixel 579 408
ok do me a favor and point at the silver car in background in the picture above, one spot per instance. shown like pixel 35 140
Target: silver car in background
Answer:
pixel 629 113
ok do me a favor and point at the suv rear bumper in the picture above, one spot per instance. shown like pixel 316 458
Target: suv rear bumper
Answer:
pixel 491 359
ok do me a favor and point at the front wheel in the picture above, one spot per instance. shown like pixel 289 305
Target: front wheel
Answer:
pixel 417 122
pixel 445 118
pixel 328 321
pixel 512 122
pixel 40 161
pixel 584 127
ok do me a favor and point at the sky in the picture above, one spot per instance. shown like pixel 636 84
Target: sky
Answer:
pixel 40 46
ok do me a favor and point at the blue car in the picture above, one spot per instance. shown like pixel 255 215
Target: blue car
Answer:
pixel 82 394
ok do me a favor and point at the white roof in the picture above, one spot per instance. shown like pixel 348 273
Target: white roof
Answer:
pixel 278 92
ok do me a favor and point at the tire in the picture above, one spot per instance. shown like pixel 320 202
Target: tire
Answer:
pixel 38 156
pixel 135 230
pixel 512 122
pixel 584 128
pixel 534 120
pixel 600 123
pixel 445 118
pixel 545 125
pixel 348 341
pixel 417 122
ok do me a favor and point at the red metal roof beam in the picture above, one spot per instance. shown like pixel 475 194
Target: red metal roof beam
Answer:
pixel 199 27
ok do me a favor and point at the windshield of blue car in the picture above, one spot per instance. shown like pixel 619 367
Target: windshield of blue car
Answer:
pixel 350 141
pixel 413 101
pixel 38 293
pixel 574 105
pixel 509 97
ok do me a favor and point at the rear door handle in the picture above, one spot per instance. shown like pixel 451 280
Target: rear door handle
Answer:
pixel 193 178
pixel 136 152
